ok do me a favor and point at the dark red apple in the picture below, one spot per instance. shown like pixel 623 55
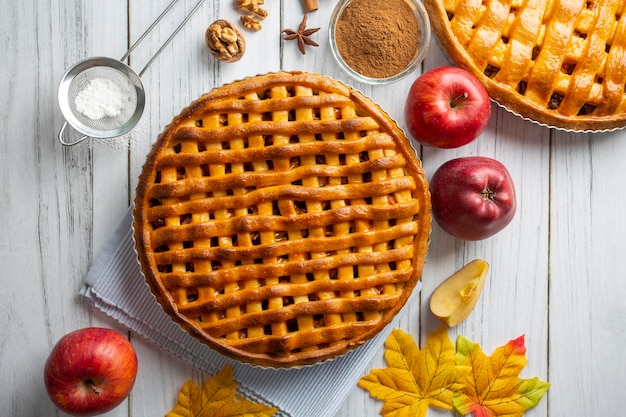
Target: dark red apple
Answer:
pixel 473 197
pixel 90 371
pixel 446 108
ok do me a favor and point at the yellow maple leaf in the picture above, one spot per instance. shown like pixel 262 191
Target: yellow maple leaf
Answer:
pixel 217 398
pixel 415 379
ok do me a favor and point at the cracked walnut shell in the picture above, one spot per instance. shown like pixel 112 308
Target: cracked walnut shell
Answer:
pixel 225 41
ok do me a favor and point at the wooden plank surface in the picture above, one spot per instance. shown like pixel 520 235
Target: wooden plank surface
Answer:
pixel 556 274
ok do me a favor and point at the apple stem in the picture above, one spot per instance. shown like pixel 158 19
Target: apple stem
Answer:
pixel 456 100
pixel 93 387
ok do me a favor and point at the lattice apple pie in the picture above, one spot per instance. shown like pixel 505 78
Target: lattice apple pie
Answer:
pixel 282 219
pixel 559 63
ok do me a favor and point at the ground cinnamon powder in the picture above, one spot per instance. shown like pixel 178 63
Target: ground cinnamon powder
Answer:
pixel 377 39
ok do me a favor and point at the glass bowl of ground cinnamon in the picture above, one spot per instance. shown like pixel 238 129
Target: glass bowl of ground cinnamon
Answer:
pixel 379 42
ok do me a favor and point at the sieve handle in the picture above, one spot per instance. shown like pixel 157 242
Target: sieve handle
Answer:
pixel 172 36
pixel 152 26
pixel 69 143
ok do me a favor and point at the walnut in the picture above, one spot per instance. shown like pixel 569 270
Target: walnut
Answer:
pixel 259 12
pixel 252 13
pixel 250 23
pixel 248 4
pixel 225 41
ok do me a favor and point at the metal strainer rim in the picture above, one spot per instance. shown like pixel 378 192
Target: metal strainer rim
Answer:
pixel 80 67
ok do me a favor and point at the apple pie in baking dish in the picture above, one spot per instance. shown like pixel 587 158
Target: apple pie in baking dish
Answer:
pixel 282 219
pixel 561 63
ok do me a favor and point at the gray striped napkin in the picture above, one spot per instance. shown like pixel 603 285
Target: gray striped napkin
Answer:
pixel 115 285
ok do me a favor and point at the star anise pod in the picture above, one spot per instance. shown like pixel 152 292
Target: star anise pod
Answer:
pixel 303 35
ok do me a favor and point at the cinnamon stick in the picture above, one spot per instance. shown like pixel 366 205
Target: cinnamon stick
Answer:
pixel 310 5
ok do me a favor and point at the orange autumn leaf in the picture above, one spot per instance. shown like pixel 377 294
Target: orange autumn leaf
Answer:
pixel 493 388
pixel 217 398
pixel 415 379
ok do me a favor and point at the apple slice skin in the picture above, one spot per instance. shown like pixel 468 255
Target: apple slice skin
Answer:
pixel 455 298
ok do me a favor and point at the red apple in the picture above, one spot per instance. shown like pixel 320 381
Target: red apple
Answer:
pixel 446 108
pixel 90 371
pixel 473 197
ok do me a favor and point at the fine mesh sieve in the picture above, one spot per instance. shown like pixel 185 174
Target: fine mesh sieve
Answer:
pixel 115 116
pixel 121 117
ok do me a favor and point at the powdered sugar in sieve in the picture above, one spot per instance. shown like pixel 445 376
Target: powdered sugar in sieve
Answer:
pixel 102 98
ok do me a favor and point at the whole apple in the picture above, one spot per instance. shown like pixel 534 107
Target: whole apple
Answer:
pixel 473 197
pixel 90 371
pixel 446 108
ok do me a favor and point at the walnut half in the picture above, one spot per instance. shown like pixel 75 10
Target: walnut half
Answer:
pixel 225 41
pixel 252 7
pixel 250 23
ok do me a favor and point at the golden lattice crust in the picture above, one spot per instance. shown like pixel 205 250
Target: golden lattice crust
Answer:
pixel 282 219
pixel 559 63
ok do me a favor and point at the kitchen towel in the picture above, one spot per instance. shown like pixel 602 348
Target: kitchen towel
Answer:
pixel 116 286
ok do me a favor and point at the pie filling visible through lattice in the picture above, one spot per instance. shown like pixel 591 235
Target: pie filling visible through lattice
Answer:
pixel 282 219
pixel 559 63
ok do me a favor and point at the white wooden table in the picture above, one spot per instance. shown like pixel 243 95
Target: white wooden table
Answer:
pixel 557 272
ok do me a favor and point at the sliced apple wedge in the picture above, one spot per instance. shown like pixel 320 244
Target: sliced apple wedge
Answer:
pixel 454 299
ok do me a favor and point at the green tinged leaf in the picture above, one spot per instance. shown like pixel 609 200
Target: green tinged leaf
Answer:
pixel 494 388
